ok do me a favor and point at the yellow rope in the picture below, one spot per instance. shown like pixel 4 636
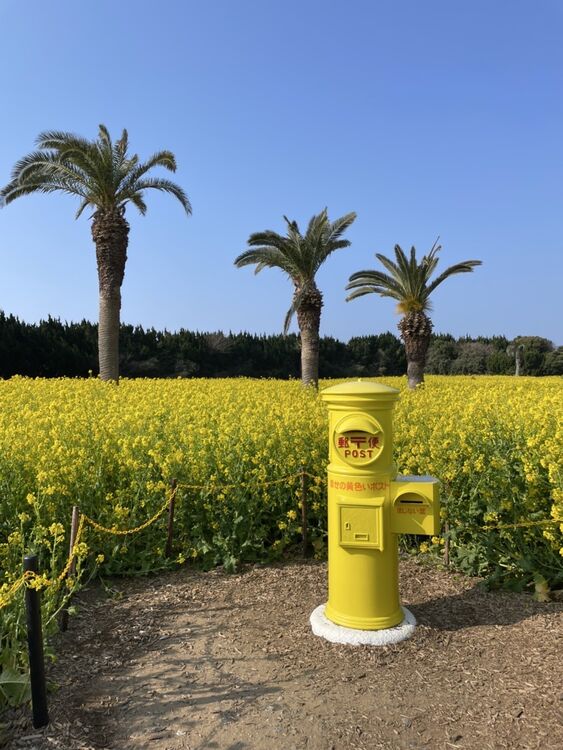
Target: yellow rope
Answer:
pixel 29 576
pixel 126 532
pixel 519 525
pixel 8 595
pixel 240 484
pixel 72 553
pixel 312 476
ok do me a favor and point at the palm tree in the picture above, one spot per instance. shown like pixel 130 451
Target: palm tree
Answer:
pixel 409 283
pixel 104 176
pixel 516 350
pixel 300 257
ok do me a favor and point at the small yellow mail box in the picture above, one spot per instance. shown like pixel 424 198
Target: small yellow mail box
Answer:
pixel 415 507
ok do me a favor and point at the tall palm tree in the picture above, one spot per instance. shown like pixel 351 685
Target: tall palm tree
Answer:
pixel 104 176
pixel 300 257
pixel 409 283
pixel 516 350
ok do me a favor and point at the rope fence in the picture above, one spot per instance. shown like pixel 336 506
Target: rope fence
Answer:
pixel 32 579
pixel 33 582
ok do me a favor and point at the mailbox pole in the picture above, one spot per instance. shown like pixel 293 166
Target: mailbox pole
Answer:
pixel 368 505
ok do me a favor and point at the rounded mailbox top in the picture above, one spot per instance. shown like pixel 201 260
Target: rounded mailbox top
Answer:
pixel 363 390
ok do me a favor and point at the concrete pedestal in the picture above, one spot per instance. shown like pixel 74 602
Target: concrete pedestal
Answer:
pixel 325 628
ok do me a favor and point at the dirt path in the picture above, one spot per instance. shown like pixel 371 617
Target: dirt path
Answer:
pixel 207 660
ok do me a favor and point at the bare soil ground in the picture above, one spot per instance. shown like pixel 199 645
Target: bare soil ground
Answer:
pixel 194 660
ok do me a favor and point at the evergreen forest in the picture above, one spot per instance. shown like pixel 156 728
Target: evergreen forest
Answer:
pixel 52 348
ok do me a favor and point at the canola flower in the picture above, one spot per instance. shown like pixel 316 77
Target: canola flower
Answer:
pixel 494 442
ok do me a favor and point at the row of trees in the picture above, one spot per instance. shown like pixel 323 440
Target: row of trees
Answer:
pixel 106 178
pixel 408 281
pixel 53 349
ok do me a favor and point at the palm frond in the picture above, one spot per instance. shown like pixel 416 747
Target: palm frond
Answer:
pixel 27 189
pixel 267 238
pixel 122 144
pixel 57 139
pixel 339 226
pixel 85 203
pixel 375 282
pixel 8 192
pixel 317 221
pixel 409 279
pixel 413 265
pixel 402 261
pixel 137 200
pixel 42 166
pixel 100 172
pixel 166 186
pixel 430 261
pixel 294 247
pixel 265 257
pixel 132 171
pixel 362 291
pixel 465 266
pixel 104 138
pixel 41 183
pixel 323 238
pixel 295 305
pixel 393 268
pixel 292 226
pixel 322 253
pixel 271 250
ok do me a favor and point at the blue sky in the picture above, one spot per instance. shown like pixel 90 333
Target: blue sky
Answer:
pixel 427 118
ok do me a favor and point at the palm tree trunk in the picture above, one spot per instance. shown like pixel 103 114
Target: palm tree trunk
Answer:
pixel 110 233
pixel 519 356
pixel 309 320
pixel 310 356
pixel 415 328
pixel 108 335
pixel 415 372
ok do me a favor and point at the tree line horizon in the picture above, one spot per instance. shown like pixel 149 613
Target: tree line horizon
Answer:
pixel 52 348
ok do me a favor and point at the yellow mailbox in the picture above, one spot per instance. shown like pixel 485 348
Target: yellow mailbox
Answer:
pixel 368 506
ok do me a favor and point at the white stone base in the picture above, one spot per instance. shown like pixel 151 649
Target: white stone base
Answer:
pixel 334 633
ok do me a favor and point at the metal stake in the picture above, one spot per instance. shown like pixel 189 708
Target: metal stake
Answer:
pixel 35 648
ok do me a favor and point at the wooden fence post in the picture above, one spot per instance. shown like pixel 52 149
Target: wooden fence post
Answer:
pixel 170 535
pixel 304 530
pixel 63 625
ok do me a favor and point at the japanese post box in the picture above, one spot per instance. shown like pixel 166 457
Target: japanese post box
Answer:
pixel 368 506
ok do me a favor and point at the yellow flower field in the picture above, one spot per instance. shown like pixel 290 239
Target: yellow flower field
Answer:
pixel 494 442
pixel 236 448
